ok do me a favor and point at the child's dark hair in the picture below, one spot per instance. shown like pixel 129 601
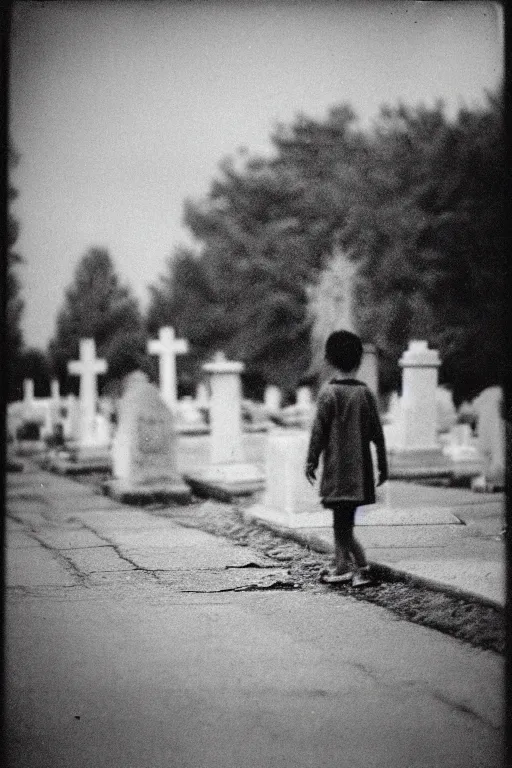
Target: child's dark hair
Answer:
pixel 344 350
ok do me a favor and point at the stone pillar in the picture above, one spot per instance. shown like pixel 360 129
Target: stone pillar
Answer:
pixel 225 410
pixel 419 411
pixel 491 438
pixel 228 474
pixel 28 392
pixel 272 398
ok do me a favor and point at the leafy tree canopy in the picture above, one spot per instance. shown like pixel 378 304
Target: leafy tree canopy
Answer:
pixel 96 306
pixel 417 203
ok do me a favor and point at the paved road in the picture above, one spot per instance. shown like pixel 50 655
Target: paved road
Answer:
pixel 122 652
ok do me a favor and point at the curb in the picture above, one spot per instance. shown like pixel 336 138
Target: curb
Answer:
pixel 389 573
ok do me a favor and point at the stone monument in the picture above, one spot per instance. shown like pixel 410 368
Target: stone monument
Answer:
pixel 289 500
pixel 88 368
pixel 228 474
pixel 490 439
pixel 167 347
pixel 337 313
pixel 91 451
pixel 272 399
pixel 144 447
pixel 417 450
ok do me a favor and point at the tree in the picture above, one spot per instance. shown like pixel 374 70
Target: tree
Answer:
pixel 96 306
pixel 186 299
pixel 428 232
pixel 417 202
pixel 13 299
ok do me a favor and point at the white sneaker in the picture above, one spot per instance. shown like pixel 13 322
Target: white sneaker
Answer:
pixel 362 577
pixel 331 577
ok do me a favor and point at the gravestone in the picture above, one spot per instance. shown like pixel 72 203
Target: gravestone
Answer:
pixel 144 447
pixel 228 473
pixel 88 368
pixel 490 439
pixel 52 414
pixel 272 399
pixel 28 398
pixel 289 500
pixel 90 450
pixel 461 448
pixel 203 395
pixel 416 450
pixel 446 412
pixel 71 419
pixel 344 319
pixel 304 398
pixel 190 419
pixel 167 347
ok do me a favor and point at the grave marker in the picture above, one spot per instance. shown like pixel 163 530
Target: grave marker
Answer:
pixel 145 445
pixel 167 347
pixel 229 474
pixel 88 368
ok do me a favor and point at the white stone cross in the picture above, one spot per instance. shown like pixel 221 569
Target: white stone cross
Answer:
pixel 88 367
pixel 167 347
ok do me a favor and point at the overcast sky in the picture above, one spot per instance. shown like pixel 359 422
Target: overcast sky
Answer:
pixel 120 110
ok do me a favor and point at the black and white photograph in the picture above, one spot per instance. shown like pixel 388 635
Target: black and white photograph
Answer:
pixel 257 423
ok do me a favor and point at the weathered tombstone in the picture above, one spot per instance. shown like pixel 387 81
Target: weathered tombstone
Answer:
pixel 167 347
pixel 144 447
pixel 491 439
pixel 229 474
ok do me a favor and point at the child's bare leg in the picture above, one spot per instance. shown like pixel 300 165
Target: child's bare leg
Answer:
pixel 342 552
pixel 357 551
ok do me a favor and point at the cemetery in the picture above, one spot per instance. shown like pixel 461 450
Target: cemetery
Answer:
pixel 161 448
pixel 425 439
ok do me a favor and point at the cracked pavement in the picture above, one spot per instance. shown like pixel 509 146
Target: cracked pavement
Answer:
pixel 135 641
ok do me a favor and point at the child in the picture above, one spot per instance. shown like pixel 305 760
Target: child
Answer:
pixel 345 424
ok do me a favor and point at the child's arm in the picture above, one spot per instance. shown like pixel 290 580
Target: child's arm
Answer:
pixel 318 438
pixel 377 438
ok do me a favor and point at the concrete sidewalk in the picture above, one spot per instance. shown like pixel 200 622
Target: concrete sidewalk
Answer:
pixel 447 538
pixel 443 537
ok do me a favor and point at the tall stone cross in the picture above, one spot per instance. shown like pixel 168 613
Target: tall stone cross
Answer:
pixel 88 367
pixel 167 347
